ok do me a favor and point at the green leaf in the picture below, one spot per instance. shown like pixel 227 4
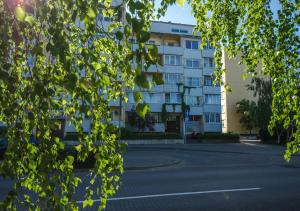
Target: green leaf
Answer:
pixel 180 2
pixel 142 109
pixel 20 13
pixel 158 78
pixel 141 81
pixel 127 31
pixel 78 148
pixel 138 97
pixel 119 35
pixel 91 13
pixel 29 19
pixel 137 25
pixel 139 5
pixel 143 36
pixel 88 202
pixel 153 52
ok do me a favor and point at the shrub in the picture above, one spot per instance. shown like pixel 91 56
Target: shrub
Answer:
pixel 150 135
pixel 226 136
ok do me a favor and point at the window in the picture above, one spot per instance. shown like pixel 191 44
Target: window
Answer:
pixel 172 78
pixel 208 46
pixel 212 118
pixel 208 80
pixel 151 42
pixel 193 100
pixel 208 62
pixel 114 115
pixel 190 44
pixel 192 63
pixel 183 31
pixel 193 118
pixel 212 99
pixel 218 118
pixel 180 30
pixel 173 97
pixel 172 60
pixel 130 97
pixel 193 81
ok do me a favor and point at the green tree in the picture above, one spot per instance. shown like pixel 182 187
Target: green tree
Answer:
pixel 248 110
pixel 57 58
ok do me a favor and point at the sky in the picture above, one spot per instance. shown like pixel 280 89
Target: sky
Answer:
pixel 177 14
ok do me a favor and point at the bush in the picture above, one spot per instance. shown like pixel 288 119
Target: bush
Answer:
pixel 149 135
pixel 226 136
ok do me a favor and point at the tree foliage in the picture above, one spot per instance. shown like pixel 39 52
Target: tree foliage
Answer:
pixel 141 123
pixel 57 58
pixel 265 39
pixel 248 110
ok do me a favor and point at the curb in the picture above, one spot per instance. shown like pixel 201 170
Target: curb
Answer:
pixel 133 168
pixel 175 162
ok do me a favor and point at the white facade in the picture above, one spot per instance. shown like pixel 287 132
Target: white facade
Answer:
pixel 184 62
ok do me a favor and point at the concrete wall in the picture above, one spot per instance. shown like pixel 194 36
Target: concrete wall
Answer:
pixel 233 76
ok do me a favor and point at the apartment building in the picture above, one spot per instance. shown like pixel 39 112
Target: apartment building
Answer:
pixel 234 77
pixel 187 72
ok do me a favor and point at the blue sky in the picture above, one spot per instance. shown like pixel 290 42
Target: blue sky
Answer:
pixel 177 14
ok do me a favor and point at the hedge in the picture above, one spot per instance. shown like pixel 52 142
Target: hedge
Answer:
pixel 127 135
pixel 226 136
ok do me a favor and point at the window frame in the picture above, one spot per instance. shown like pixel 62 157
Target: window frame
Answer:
pixel 169 57
pixel 211 118
pixel 192 62
pixel 189 44
pixel 215 99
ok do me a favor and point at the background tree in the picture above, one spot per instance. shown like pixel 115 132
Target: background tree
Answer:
pixel 248 110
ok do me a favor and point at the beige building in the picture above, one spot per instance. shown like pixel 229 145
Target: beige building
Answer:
pixel 234 77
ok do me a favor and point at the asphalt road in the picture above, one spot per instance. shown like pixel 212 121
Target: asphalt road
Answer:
pixel 242 176
pixel 213 177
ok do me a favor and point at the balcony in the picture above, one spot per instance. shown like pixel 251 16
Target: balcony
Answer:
pixel 171 88
pixel 208 52
pixel 177 50
pixel 212 89
pixel 208 71
pixel 196 110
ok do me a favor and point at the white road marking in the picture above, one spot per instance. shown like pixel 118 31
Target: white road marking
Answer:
pixel 177 194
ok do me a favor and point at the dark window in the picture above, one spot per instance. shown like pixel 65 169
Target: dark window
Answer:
pixel 194 118
pixel 194 45
pixel 208 81
pixel 188 44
